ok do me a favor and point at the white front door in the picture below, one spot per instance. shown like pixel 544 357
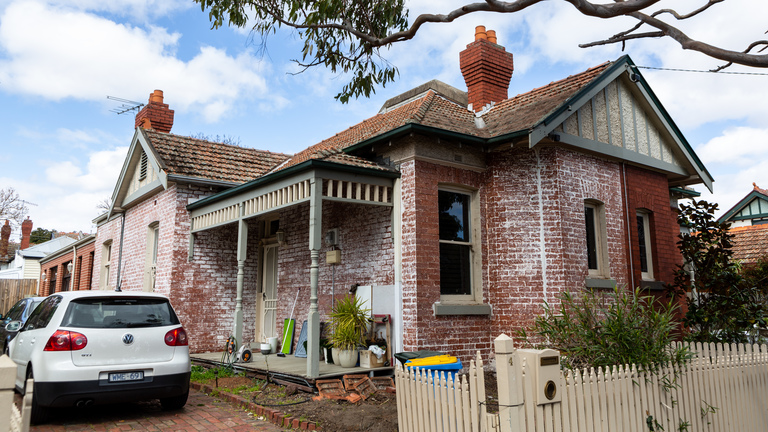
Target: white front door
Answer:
pixel 268 312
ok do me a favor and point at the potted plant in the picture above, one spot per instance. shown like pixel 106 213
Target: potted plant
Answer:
pixel 349 323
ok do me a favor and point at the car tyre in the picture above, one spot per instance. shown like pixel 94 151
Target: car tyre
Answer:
pixel 38 413
pixel 176 402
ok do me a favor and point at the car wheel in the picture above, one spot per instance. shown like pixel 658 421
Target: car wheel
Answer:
pixel 38 413
pixel 176 402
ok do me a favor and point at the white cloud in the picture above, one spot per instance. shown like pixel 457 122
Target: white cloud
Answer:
pixel 57 52
pixel 68 197
pixel 740 146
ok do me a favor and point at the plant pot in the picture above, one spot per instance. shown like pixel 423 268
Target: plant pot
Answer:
pixel 347 358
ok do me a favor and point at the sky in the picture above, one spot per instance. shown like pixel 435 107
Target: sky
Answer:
pixel 62 146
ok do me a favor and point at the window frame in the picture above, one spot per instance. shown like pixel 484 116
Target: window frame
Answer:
pixel 152 251
pixel 106 261
pixel 474 244
pixel 647 245
pixel 601 239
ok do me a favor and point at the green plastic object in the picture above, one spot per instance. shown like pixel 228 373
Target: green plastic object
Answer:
pixel 288 327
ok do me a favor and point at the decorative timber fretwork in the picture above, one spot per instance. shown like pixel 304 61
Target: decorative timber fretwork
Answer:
pixel 343 190
pixel 263 200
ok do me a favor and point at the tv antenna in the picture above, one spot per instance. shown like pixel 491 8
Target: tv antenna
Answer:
pixel 27 202
pixel 125 105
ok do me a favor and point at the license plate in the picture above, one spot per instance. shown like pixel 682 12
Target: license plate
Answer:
pixel 126 376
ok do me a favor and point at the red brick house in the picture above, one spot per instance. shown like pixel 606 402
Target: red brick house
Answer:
pixel 458 213
pixel 749 226
pixel 69 268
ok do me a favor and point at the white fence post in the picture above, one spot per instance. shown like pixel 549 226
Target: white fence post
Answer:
pixel 509 383
pixel 7 380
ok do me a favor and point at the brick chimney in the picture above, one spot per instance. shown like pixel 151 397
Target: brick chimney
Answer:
pixel 26 230
pixel 487 68
pixel 5 235
pixel 155 115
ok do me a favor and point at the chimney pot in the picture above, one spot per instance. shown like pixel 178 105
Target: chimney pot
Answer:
pixel 491 36
pixel 156 97
pixel 480 33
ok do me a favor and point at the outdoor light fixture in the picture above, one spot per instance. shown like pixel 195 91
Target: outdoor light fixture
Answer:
pixel 280 237
pixel 69 267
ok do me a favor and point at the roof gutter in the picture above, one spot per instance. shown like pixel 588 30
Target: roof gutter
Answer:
pixel 415 128
pixel 200 181
pixel 304 166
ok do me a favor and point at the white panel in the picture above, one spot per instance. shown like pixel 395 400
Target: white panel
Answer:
pixel 587 127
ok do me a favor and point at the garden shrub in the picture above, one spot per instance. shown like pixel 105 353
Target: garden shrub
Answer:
pixel 594 329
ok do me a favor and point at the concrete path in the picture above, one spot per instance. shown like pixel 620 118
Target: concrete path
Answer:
pixel 202 413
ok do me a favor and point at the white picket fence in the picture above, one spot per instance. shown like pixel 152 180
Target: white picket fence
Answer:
pixel 438 402
pixel 722 388
pixel 12 418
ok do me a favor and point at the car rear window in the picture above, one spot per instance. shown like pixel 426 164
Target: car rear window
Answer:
pixel 122 312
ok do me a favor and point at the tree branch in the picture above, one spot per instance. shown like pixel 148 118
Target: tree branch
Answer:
pixel 346 35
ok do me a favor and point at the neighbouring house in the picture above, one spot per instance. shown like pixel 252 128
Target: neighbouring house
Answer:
pixel 457 213
pixel 142 241
pixel 69 268
pixel 749 226
pixel 26 261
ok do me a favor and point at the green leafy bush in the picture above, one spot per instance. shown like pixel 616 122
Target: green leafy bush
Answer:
pixel 725 302
pixel 349 322
pixel 607 328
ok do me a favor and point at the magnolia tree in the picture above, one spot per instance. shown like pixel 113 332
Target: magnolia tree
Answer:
pixel 346 36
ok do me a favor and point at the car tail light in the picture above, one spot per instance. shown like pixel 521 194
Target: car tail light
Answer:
pixel 65 340
pixel 176 337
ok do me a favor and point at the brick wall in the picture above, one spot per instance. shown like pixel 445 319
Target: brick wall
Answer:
pixel 648 190
pixel 514 223
pixel 82 271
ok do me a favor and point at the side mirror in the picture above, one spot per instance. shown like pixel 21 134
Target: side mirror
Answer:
pixel 13 326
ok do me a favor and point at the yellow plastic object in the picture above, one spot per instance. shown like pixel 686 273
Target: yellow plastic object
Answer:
pixel 431 361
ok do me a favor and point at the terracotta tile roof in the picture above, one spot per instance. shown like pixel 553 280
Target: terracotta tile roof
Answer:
pixel 518 113
pixel 198 158
pixel 750 243
pixel 528 109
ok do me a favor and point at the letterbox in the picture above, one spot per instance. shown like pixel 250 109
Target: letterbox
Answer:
pixel 544 367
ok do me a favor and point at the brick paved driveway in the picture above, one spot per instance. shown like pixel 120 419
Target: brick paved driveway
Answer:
pixel 202 413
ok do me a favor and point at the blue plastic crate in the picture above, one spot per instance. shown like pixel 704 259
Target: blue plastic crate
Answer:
pixel 447 368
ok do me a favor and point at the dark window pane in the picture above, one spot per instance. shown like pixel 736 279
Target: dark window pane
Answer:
pixel 641 241
pixel 454 216
pixel 42 315
pixel 454 270
pixel 122 312
pixel 589 216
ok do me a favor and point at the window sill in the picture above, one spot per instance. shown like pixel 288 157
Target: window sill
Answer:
pixel 652 285
pixel 600 283
pixel 441 309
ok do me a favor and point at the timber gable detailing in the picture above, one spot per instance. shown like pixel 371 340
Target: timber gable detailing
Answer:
pixel 615 117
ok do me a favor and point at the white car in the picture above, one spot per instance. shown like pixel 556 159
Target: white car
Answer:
pixel 99 347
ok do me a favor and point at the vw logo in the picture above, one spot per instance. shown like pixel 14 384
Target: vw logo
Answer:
pixel 127 338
